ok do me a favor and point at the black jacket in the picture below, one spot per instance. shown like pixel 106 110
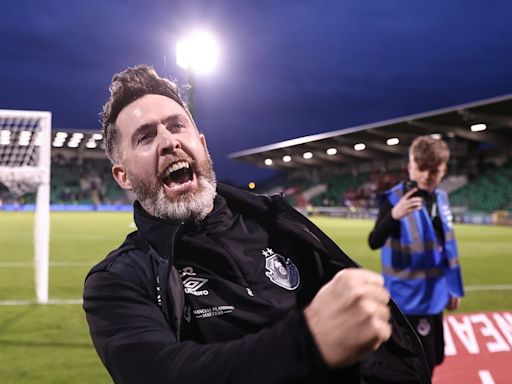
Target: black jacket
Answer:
pixel 134 305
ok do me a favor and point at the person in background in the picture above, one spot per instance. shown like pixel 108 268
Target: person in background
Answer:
pixel 218 285
pixel 420 261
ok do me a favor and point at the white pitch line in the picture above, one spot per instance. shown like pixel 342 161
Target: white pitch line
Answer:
pixel 486 377
pixel 28 264
pixel 496 287
pixel 34 302
pixel 500 287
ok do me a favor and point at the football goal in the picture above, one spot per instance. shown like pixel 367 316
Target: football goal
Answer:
pixel 25 144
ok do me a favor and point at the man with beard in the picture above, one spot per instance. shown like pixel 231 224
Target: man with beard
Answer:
pixel 218 285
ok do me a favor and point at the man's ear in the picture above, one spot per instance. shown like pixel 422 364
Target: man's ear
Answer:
pixel 445 170
pixel 121 177
pixel 202 137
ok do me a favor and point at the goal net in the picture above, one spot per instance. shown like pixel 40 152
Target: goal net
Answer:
pixel 25 144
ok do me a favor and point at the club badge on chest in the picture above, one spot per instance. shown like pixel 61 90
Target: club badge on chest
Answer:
pixel 280 270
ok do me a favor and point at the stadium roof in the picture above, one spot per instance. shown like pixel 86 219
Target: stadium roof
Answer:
pixel 461 126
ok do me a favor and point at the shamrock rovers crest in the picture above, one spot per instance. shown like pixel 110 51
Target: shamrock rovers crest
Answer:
pixel 281 270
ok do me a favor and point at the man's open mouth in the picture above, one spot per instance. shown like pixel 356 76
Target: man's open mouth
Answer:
pixel 177 174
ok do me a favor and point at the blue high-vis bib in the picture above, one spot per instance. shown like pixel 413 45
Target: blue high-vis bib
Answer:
pixel 420 272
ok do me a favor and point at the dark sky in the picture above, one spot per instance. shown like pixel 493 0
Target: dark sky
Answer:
pixel 289 67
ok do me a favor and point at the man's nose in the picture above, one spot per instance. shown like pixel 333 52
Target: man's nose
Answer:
pixel 168 143
pixel 431 175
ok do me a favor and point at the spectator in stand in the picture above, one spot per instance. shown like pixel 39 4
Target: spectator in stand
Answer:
pixel 420 260
pixel 387 181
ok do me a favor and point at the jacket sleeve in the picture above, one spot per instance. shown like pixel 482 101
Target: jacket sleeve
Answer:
pixel 136 344
pixel 385 226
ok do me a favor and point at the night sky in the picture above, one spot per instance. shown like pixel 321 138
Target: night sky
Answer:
pixel 289 68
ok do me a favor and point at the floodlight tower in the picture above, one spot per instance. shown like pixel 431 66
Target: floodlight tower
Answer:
pixel 198 54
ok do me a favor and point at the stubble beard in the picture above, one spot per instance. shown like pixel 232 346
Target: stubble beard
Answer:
pixel 193 205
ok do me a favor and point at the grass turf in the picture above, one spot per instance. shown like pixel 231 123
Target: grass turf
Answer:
pixel 51 344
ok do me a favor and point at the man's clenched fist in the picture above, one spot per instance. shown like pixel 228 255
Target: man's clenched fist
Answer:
pixel 349 316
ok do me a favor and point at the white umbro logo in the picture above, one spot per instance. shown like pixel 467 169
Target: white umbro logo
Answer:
pixel 193 283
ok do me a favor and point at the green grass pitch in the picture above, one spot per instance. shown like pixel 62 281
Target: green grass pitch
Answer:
pixel 51 344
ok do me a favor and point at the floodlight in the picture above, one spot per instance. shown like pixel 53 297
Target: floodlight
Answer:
pixel 59 140
pixel 331 151
pixel 199 53
pixel 287 159
pixel 478 127
pixel 307 155
pixel 24 138
pixel 268 162
pixel 38 139
pixel 360 147
pixel 26 134
pixel 392 141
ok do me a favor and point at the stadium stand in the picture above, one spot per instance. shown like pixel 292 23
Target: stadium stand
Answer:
pixel 491 191
pixel 487 192
pixel 351 166
pixel 76 181
pixel 360 191
pixel 85 181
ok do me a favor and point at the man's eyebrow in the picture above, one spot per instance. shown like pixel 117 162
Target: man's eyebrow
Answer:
pixel 140 129
pixel 153 124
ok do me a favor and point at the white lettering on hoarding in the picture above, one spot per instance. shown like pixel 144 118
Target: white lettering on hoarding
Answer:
pixel 499 344
pixel 478 332
pixel 449 345
pixel 465 333
pixel 504 322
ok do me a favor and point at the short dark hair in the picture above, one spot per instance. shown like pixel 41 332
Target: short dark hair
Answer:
pixel 429 153
pixel 126 87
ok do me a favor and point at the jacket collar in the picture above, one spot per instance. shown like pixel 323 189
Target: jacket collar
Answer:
pixel 160 233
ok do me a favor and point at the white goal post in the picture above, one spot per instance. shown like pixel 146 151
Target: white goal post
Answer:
pixel 25 146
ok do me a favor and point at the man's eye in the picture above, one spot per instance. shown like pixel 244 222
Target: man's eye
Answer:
pixel 142 138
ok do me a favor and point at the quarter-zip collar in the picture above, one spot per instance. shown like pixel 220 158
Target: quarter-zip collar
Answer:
pixel 159 233
pixel 218 220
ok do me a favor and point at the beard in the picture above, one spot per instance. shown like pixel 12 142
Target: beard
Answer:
pixel 193 205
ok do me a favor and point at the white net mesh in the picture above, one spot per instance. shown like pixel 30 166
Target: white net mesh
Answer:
pixel 22 180
pixel 20 154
